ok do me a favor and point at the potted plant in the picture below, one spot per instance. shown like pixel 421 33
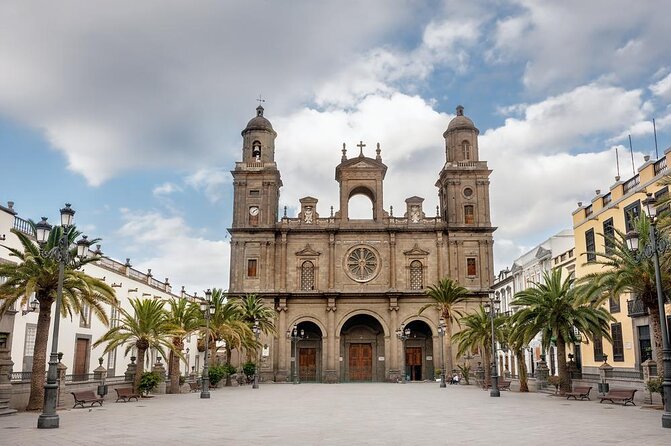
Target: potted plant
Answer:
pixel 148 382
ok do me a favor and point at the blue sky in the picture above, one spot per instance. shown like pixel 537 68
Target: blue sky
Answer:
pixel 132 111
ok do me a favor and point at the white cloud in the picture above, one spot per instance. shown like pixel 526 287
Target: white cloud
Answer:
pixel 166 189
pixel 210 181
pixel 662 88
pixel 162 243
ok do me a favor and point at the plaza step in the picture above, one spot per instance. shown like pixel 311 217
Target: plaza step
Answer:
pixel 4 408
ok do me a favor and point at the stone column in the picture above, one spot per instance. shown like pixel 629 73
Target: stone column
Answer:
pixel 283 263
pixel 130 370
pixel 392 261
pixel 439 254
pixel 331 261
pixel 330 375
pixel 282 371
pixel 159 369
pixel 394 343
pixel 60 373
pixel 542 373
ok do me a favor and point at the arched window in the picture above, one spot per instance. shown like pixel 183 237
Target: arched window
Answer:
pixel 256 150
pixel 469 214
pixel 307 276
pixel 416 275
pixel 466 149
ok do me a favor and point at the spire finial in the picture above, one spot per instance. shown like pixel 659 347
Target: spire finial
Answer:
pixel 361 145
pixel 460 110
pixel 344 153
pixel 378 151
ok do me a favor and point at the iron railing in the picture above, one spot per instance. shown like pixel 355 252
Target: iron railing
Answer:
pixel 607 198
pixel 635 308
pixel 631 183
pixel 660 166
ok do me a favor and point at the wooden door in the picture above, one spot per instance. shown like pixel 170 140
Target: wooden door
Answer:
pixel 81 359
pixel 413 363
pixel 307 364
pixel 360 362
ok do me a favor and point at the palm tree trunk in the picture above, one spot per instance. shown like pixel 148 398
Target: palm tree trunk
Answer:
pixel 564 381
pixel 174 365
pixel 522 366
pixel 36 398
pixel 657 338
pixel 488 364
pixel 228 362
pixel 140 367
pixel 448 335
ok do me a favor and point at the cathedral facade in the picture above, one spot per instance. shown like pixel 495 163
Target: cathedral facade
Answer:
pixel 343 287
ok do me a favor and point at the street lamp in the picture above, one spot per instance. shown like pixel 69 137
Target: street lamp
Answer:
pixel 295 336
pixel 207 309
pixel 441 333
pixel 257 330
pixel 652 250
pixel 403 333
pixel 493 307
pixel 49 419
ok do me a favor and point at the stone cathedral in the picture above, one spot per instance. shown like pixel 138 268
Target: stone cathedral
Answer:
pixel 347 285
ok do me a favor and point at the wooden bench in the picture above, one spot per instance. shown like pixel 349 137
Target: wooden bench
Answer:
pixel 581 392
pixel 85 397
pixel 502 384
pixel 126 394
pixel 624 395
pixel 193 387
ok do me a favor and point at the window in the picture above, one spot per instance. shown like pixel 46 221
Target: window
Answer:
pixel 254 193
pixel 29 347
pixel 85 317
pixel 618 346
pixel 416 275
pixel 598 348
pixel 662 195
pixel 471 269
pixel 644 343
pixel 614 304
pixel 466 149
pixel 631 213
pixel 609 235
pixel 469 217
pixel 589 245
pixel 111 362
pixel 307 276
pixel 251 267
pixel 256 150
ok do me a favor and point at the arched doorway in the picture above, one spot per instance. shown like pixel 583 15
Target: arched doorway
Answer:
pixel 419 360
pixel 309 352
pixel 362 350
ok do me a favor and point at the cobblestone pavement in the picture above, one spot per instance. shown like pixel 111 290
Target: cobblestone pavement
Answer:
pixel 345 414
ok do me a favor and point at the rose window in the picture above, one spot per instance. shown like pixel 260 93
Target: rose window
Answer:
pixel 362 264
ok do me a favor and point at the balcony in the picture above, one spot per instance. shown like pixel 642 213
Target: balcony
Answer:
pixel 635 308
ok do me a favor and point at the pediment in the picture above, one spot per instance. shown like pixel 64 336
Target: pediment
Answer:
pixel 515 268
pixel 542 252
pixel 416 251
pixel 307 252
pixel 362 165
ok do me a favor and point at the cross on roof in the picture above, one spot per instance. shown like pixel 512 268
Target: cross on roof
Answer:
pixel 361 145
pixel 260 99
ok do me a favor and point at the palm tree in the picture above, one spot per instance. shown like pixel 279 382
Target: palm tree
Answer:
pixel 447 296
pixel 148 327
pixel 252 309
pixel 476 333
pixel 37 272
pixel 623 271
pixel 516 343
pixel 227 324
pixel 559 312
pixel 185 318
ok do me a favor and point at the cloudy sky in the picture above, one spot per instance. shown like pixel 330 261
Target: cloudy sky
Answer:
pixel 132 110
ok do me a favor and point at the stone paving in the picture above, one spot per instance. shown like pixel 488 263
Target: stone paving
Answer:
pixel 345 414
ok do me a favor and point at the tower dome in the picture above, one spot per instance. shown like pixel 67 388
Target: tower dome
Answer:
pixel 460 122
pixel 258 122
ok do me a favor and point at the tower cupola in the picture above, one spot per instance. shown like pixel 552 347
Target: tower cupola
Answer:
pixel 461 138
pixel 258 139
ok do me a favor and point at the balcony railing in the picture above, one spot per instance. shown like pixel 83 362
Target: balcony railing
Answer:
pixel 20 377
pixel 631 183
pixel 22 225
pixel 635 308
pixel 660 166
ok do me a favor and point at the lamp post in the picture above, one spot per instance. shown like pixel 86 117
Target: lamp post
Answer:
pixel 493 302
pixel 652 250
pixel 207 309
pixel 295 336
pixel 49 419
pixel 403 334
pixel 441 333
pixel 257 330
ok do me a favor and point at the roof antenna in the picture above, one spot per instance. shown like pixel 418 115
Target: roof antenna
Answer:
pixel 654 130
pixel 631 150
pixel 617 163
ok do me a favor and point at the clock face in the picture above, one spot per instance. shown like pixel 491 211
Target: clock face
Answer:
pixel 253 211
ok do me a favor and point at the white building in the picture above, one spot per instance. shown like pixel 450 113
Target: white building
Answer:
pixel 555 252
pixel 77 334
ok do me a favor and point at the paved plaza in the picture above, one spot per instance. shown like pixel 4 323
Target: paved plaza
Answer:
pixel 345 414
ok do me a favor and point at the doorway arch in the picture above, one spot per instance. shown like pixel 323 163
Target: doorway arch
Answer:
pixel 307 352
pixel 362 349
pixel 420 364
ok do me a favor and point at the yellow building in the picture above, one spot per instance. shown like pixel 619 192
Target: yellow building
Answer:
pixel 607 212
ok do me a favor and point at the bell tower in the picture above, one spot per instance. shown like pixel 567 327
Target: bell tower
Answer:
pixel 256 179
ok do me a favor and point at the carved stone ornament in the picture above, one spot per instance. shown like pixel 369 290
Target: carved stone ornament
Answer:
pixel 362 264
